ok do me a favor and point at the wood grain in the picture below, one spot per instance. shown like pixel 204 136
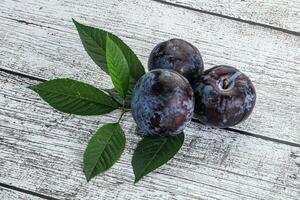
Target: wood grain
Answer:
pixel 7 194
pixel 42 42
pixel 283 14
pixel 41 151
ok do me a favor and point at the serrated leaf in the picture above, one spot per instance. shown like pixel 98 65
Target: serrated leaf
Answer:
pixel 117 67
pixel 104 150
pixel 94 42
pixel 74 97
pixel 153 152
pixel 114 94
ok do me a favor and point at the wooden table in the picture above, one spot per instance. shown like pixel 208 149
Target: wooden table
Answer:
pixel 41 149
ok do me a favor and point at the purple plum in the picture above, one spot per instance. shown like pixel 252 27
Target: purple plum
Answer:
pixel 224 97
pixel 178 55
pixel 162 103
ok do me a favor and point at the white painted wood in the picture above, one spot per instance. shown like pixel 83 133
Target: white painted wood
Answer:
pixel 7 194
pixel 280 13
pixel 45 44
pixel 41 150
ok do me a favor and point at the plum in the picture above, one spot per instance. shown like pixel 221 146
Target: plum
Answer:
pixel 162 103
pixel 223 97
pixel 178 55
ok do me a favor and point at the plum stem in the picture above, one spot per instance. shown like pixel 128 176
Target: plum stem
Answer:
pixel 121 116
pixel 226 83
pixel 123 110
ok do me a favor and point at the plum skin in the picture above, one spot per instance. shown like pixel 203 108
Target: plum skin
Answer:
pixel 224 97
pixel 178 55
pixel 162 103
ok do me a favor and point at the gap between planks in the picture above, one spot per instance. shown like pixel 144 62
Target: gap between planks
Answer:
pixel 294 144
pixel 296 33
pixel 242 132
pixel 264 54
pixel 26 191
pixel 219 159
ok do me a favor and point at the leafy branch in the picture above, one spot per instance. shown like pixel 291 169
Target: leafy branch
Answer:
pixel 105 147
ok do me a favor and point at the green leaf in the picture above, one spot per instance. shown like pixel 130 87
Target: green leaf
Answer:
pixel 117 67
pixel 114 94
pixel 153 152
pixel 94 42
pixel 74 97
pixel 104 150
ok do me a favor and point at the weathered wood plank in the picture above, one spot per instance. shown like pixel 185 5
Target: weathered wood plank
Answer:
pixel 7 194
pixel 283 14
pixel 41 151
pixel 50 47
